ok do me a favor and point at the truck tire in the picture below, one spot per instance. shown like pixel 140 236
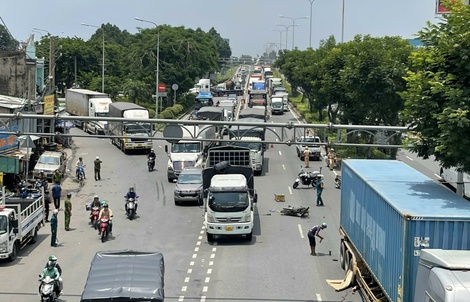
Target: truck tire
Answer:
pixel 342 251
pixel 14 252
pixel 210 237
pixel 249 237
pixel 347 259
pixel 34 236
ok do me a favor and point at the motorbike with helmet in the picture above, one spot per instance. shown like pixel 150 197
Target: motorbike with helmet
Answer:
pixel 151 160
pixel 49 287
pixel 105 222
pixel 131 203
pixel 306 178
pixel 94 207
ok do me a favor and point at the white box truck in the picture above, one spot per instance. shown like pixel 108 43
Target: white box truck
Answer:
pixel 20 220
pixel 83 102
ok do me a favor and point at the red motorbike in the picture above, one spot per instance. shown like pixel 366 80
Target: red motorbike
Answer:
pixel 104 229
pixel 95 211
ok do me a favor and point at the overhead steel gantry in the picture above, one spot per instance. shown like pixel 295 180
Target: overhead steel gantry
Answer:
pixel 285 133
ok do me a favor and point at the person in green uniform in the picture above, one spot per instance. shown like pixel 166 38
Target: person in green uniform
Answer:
pixel 68 211
pixel 54 227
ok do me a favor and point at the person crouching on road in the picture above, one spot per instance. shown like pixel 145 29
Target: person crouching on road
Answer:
pixel 315 232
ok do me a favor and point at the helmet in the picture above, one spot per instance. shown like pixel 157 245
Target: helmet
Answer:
pixel 106 205
pixel 332 149
pixel 324 225
pixel 50 265
pixel 131 189
pixel 151 150
pixel 52 258
pixel 96 197
pixel 55 212
pixel 69 195
pixel 97 157
pixel 306 147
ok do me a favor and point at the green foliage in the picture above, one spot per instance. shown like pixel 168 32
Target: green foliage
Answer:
pixel 7 42
pixel 166 114
pixel 437 99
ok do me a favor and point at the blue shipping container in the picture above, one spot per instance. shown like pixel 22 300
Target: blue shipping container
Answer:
pixel 390 212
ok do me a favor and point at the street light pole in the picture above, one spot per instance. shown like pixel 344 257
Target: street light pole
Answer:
pixel 342 23
pixel 51 76
pixel 293 24
pixel 280 37
pixel 286 29
pixel 310 40
pixel 158 62
pixel 102 63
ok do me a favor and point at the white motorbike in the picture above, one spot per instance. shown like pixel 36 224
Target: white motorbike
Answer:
pixel 48 290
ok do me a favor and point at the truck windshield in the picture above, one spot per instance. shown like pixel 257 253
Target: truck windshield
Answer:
pixel 251 146
pixel 228 201
pixel 186 148
pixel 3 224
pixel 138 128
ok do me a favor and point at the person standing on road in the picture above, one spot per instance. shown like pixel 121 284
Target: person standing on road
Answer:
pixel 68 211
pixel 54 222
pixel 56 178
pixel 319 187
pixel 47 202
pixel 307 157
pixel 312 233
pixel 97 163
pixel 56 191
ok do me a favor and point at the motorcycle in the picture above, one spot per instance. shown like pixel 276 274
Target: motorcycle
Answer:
pixel 131 205
pixel 80 174
pixel 337 182
pixel 151 163
pixel 298 211
pixel 48 289
pixel 104 229
pixel 306 178
pixel 95 212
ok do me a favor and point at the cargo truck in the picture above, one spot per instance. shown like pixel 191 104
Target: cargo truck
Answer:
pixel 229 201
pixel 128 135
pixel 188 153
pixel 235 156
pixel 83 102
pixel 390 215
pixel 20 220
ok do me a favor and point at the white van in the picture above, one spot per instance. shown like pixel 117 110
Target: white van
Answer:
pixel 277 105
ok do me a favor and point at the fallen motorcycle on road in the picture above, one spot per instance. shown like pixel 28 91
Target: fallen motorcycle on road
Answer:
pixel 297 211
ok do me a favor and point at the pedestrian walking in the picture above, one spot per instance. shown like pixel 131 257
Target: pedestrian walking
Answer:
pixel 307 157
pixel 56 177
pixel 56 191
pixel 315 232
pixel 319 186
pixel 47 202
pixel 331 159
pixel 67 211
pixel 54 222
pixel 97 163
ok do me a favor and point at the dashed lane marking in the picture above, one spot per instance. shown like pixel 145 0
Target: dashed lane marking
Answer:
pixel 300 231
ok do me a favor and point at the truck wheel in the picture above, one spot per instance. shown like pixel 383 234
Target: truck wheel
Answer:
pixel 34 236
pixel 342 251
pixel 249 236
pixel 14 252
pixel 210 237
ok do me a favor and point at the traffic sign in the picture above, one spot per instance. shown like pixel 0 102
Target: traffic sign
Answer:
pixel 161 87
pixel 174 86
pixel 162 94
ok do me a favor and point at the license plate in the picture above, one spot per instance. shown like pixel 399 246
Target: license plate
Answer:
pixel 229 228
pixel 140 145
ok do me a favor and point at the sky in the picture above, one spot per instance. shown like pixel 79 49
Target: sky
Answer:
pixel 250 25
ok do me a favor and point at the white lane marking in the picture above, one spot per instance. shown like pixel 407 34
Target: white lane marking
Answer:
pixel 191 263
pixel 211 262
pixel 209 271
pixel 319 299
pixel 283 167
pixel 207 279
pixel 203 299
pixel 204 289
pixel 184 288
pixel 198 243
pixel 300 231
pixel 189 271
pixel 290 190
pixel 196 249
pixel 409 158
pixel 280 153
pixel 214 249
pixel 212 256
pixel 194 256
pixel 186 280
pixel 180 298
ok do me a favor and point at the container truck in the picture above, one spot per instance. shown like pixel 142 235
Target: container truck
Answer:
pixel 83 102
pixel 390 215
pixel 188 153
pixel 20 220
pixel 229 200
pixel 130 135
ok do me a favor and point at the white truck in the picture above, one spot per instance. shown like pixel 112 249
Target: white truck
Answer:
pixel 277 105
pixel 229 200
pixel 20 220
pixel 83 102
pixel 188 153
pixel 203 85
pixel 129 135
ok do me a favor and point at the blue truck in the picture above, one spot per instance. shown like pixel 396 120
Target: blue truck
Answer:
pixel 403 235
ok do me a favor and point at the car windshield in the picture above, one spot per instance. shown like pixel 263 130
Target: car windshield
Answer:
pixel 3 224
pixel 185 147
pixel 190 179
pixel 228 201
pixel 180 165
pixel 311 139
pixel 47 160
pixel 251 146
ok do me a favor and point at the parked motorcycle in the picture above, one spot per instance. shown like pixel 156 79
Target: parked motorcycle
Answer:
pixel 104 229
pixel 306 178
pixel 337 182
pixel 131 205
pixel 151 163
pixel 297 211
pixel 29 190
pixel 48 289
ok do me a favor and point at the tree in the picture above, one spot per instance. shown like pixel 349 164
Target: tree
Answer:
pixel 223 47
pixel 437 101
pixel 7 42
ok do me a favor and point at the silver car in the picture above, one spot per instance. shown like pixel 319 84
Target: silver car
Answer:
pixel 188 188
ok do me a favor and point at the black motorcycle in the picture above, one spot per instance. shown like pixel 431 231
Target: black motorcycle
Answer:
pixel 151 163
pixel 337 182
pixel 299 211
pixel 306 178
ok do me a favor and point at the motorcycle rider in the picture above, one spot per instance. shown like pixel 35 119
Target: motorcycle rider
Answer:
pixel 131 194
pixel 95 203
pixel 53 273
pixel 106 213
pixel 78 165
pixel 53 259
pixel 153 156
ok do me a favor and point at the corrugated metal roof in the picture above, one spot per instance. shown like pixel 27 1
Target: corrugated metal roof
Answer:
pixel 409 191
